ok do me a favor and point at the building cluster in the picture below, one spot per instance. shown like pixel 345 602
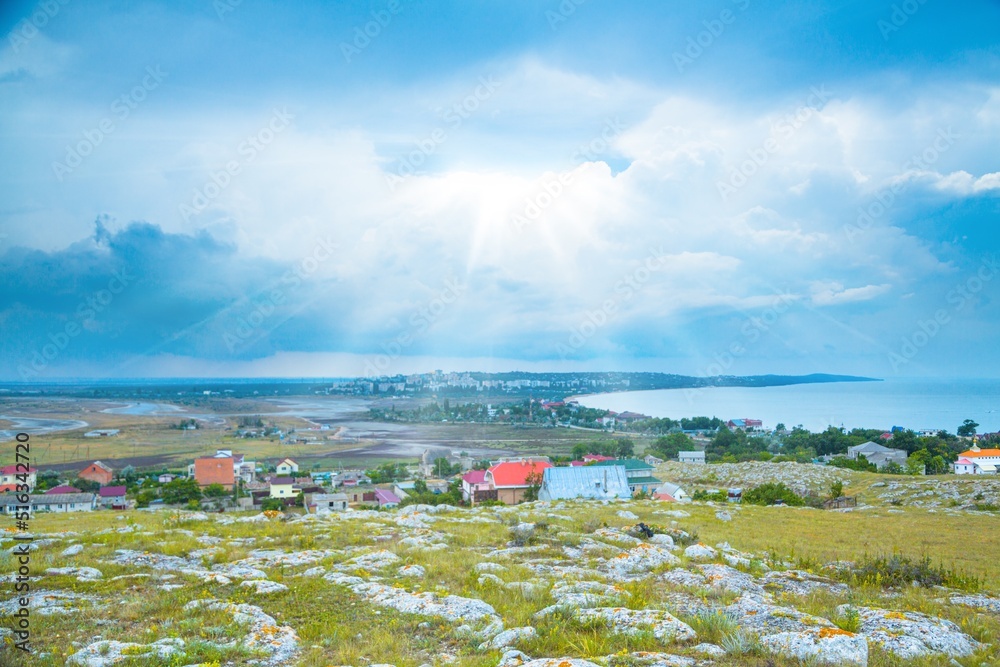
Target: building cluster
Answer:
pixel 978 461
pixel 62 498
pixel 441 381
pixel 595 477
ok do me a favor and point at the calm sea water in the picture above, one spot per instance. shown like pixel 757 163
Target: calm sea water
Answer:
pixel 912 403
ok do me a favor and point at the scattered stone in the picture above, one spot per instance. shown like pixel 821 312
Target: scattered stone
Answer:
pixel 509 638
pixel 513 658
pixel 663 625
pixel 650 659
pixel 279 643
pixel 109 652
pixel 264 586
pixel 628 516
pixel 641 559
pixel 49 603
pixel 700 552
pixel 911 634
pixel 723 516
pixel 82 573
pixel 830 646
pixel 414 571
pixel 983 602
pixel 72 550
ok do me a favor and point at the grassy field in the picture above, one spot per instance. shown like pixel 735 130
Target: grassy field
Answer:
pixel 335 626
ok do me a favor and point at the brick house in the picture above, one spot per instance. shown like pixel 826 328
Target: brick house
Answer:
pixel 97 472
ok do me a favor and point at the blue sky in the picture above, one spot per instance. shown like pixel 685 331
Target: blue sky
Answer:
pixel 736 187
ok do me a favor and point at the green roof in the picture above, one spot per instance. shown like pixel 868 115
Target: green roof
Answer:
pixel 630 464
pixel 632 481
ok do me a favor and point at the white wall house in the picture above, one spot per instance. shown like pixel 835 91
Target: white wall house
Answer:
pixel 978 461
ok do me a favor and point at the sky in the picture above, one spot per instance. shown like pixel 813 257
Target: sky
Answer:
pixel 250 188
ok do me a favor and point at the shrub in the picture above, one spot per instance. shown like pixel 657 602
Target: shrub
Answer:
pixel 897 570
pixel 771 493
pixel 714 496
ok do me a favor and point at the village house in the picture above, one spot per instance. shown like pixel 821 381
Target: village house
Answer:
pixel 224 467
pixel 59 502
pixel 748 425
pixel 209 470
pixel 670 492
pixel 978 461
pixel 473 482
pixel 652 460
pixel 101 433
pixel 877 454
pixel 691 457
pixel 333 502
pixel 112 497
pixel 588 482
pixel 286 467
pixel 510 479
pixel 350 478
pixel 639 474
pixel 360 495
pixel 10 475
pixel 97 472
pixel 282 487
pixel 165 478
pixel 386 499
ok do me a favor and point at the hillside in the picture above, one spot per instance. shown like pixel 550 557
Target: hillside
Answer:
pixel 716 585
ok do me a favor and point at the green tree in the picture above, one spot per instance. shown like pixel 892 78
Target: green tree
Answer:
pixel 967 429
pixel 836 489
pixel 145 497
pixel 669 446
pixel 534 480
pixel 579 451
pixel 181 491
pixel 215 491
pixel 420 486
pixel 624 448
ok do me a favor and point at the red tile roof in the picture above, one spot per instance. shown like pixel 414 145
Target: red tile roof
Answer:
pixel 597 457
pixel 111 491
pixel 474 477
pixel 7 488
pixel 515 473
pixel 210 470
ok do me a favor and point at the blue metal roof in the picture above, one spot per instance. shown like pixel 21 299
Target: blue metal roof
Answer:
pixel 593 482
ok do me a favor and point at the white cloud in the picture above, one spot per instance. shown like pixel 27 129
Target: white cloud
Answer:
pixel 833 293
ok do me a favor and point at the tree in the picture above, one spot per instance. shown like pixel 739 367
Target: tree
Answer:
pixel 181 491
pixel 579 451
pixel 420 486
pixel 624 448
pixel 967 429
pixel 670 445
pixel 780 426
pixel 836 489
pixel 534 480
pixel 215 491
pixel 128 474
pixel 272 504
pixel 46 480
pixel 144 498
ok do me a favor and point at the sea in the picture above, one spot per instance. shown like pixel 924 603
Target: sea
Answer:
pixel 914 403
